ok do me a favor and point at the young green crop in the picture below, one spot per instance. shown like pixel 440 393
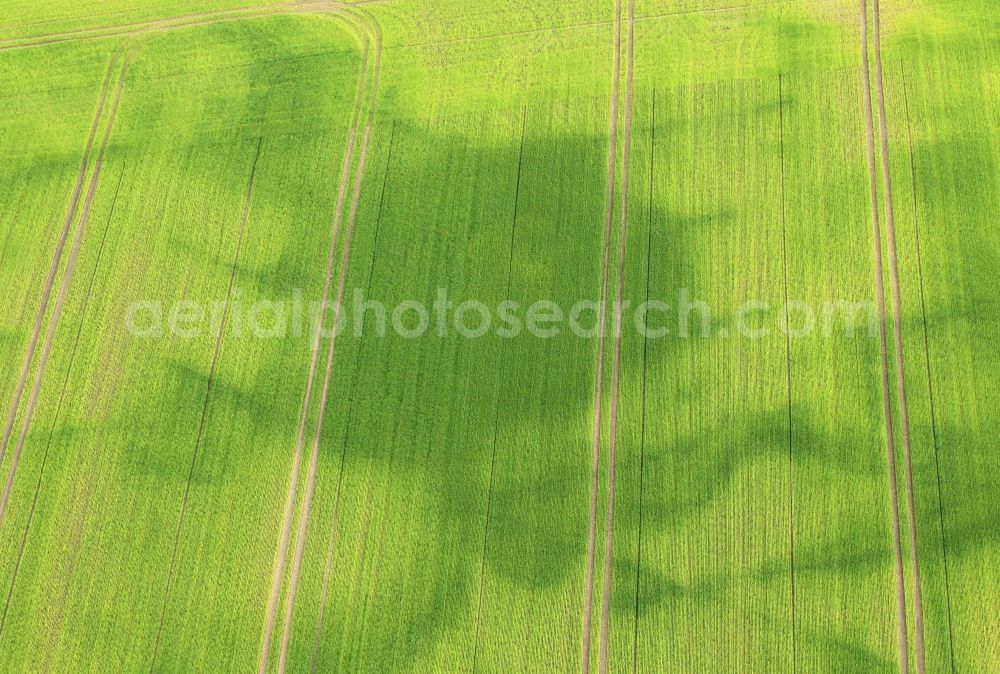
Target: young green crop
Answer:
pixel 449 526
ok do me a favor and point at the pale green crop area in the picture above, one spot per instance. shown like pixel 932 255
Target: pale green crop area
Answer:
pixel 238 500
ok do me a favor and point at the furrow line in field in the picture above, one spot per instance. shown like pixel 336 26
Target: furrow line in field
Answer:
pixel 904 667
pixel 609 530
pixel 927 361
pixel 56 259
pixel 331 353
pixel 645 377
pixel 59 407
pixel 319 9
pixel 588 601
pixel 305 8
pixel 332 538
pixel 332 8
pixel 496 420
pixel 213 369
pixel 63 292
pixel 324 399
pixel 281 551
pixel 788 366
pixel 890 220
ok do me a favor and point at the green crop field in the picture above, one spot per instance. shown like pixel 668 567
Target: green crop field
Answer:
pixel 510 336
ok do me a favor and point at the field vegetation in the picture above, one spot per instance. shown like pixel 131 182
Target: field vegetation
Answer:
pixel 798 500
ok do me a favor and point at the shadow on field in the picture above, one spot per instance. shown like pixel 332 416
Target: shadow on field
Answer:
pixel 438 462
pixel 536 544
pixel 436 418
pixel 8 340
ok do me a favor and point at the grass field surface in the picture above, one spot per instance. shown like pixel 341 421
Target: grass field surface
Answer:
pixel 250 422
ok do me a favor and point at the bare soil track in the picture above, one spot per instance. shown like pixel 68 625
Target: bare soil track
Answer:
pixel 291 496
pixel 890 220
pixel 56 259
pixel 331 352
pixel 131 30
pixel 141 29
pixel 588 601
pixel 332 536
pixel 60 298
pixel 616 363
pixel 54 320
pixel 904 666
pixel 289 510
pixel 78 529
pixel 310 488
